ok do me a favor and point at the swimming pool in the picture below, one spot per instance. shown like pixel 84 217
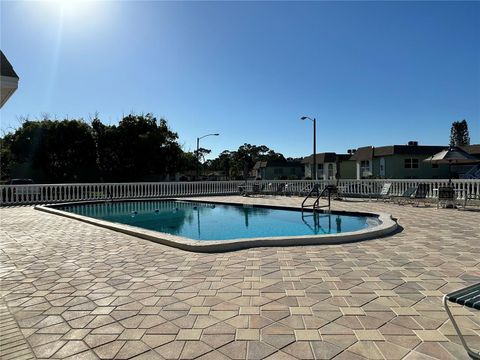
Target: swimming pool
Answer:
pixel 205 226
pixel 207 221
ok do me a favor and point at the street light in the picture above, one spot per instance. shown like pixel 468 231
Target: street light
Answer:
pixel 314 144
pixel 198 155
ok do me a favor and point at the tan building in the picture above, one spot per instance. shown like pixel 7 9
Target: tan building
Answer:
pixel 330 166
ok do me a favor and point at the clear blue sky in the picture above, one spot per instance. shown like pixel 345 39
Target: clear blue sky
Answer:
pixel 373 73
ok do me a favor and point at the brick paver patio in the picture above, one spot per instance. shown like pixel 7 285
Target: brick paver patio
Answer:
pixel 69 289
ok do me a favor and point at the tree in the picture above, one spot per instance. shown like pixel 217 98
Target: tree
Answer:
pixel 52 151
pixel 459 135
pixel 222 162
pixel 188 161
pixel 140 147
pixel 239 163
pixel 200 154
pixel 247 155
pixel 7 160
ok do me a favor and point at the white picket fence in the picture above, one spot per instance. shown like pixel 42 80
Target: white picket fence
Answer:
pixel 54 193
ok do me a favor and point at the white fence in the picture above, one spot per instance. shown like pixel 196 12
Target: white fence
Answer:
pixel 54 193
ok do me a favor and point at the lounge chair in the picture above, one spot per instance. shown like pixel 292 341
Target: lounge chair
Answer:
pixel 420 195
pixel 384 192
pixel 247 190
pixel 470 298
pixel 473 196
pixel 406 197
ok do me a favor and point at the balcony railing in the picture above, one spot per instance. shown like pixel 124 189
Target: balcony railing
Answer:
pixel 55 193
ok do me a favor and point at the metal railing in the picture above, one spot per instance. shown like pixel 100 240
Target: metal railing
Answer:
pixel 54 193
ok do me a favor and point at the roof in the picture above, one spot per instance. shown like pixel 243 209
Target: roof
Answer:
pixel 472 149
pixel 363 153
pixel 276 163
pixel 453 155
pixel 369 152
pixel 327 157
pixel 259 164
pixel 344 157
pixel 6 69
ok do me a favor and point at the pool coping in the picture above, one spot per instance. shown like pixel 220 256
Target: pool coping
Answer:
pixel 387 226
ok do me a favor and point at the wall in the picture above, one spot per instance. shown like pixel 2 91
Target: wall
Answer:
pixel 395 168
pixel 348 170
pixel 276 173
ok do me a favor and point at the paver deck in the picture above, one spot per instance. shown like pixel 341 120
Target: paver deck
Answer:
pixel 70 289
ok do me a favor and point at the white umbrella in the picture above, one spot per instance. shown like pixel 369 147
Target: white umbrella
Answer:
pixel 452 156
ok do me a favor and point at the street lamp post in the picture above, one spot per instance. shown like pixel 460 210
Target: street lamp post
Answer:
pixel 198 155
pixel 314 120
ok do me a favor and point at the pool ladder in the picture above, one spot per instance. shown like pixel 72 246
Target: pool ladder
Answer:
pixel 315 191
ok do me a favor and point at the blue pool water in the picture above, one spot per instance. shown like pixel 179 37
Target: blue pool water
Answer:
pixel 207 221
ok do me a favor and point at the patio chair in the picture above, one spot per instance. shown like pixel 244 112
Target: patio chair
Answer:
pixel 406 197
pixel 470 298
pixel 474 197
pixel 340 195
pixel 333 192
pixel 265 189
pixel 304 191
pixel 446 196
pixel 280 189
pixel 383 194
pixel 247 190
pixel 421 195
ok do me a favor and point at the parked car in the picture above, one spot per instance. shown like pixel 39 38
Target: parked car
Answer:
pixel 26 193
pixel 21 182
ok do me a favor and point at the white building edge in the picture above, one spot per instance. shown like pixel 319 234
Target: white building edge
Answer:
pixel 8 79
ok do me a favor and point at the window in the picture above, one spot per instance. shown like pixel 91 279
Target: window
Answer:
pixel 330 171
pixel 434 166
pixel 411 163
pixel 365 168
pixel 320 167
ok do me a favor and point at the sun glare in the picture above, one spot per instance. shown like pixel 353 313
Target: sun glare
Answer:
pixel 72 10
pixel 75 8
pixel 81 17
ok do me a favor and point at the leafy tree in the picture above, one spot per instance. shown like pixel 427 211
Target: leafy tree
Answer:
pixel 140 147
pixel 224 162
pixel 7 160
pixel 273 156
pixel 200 154
pixel 246 156
pixel 459 135
pixel 188 161
pixel 239 163
pixel 54 151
